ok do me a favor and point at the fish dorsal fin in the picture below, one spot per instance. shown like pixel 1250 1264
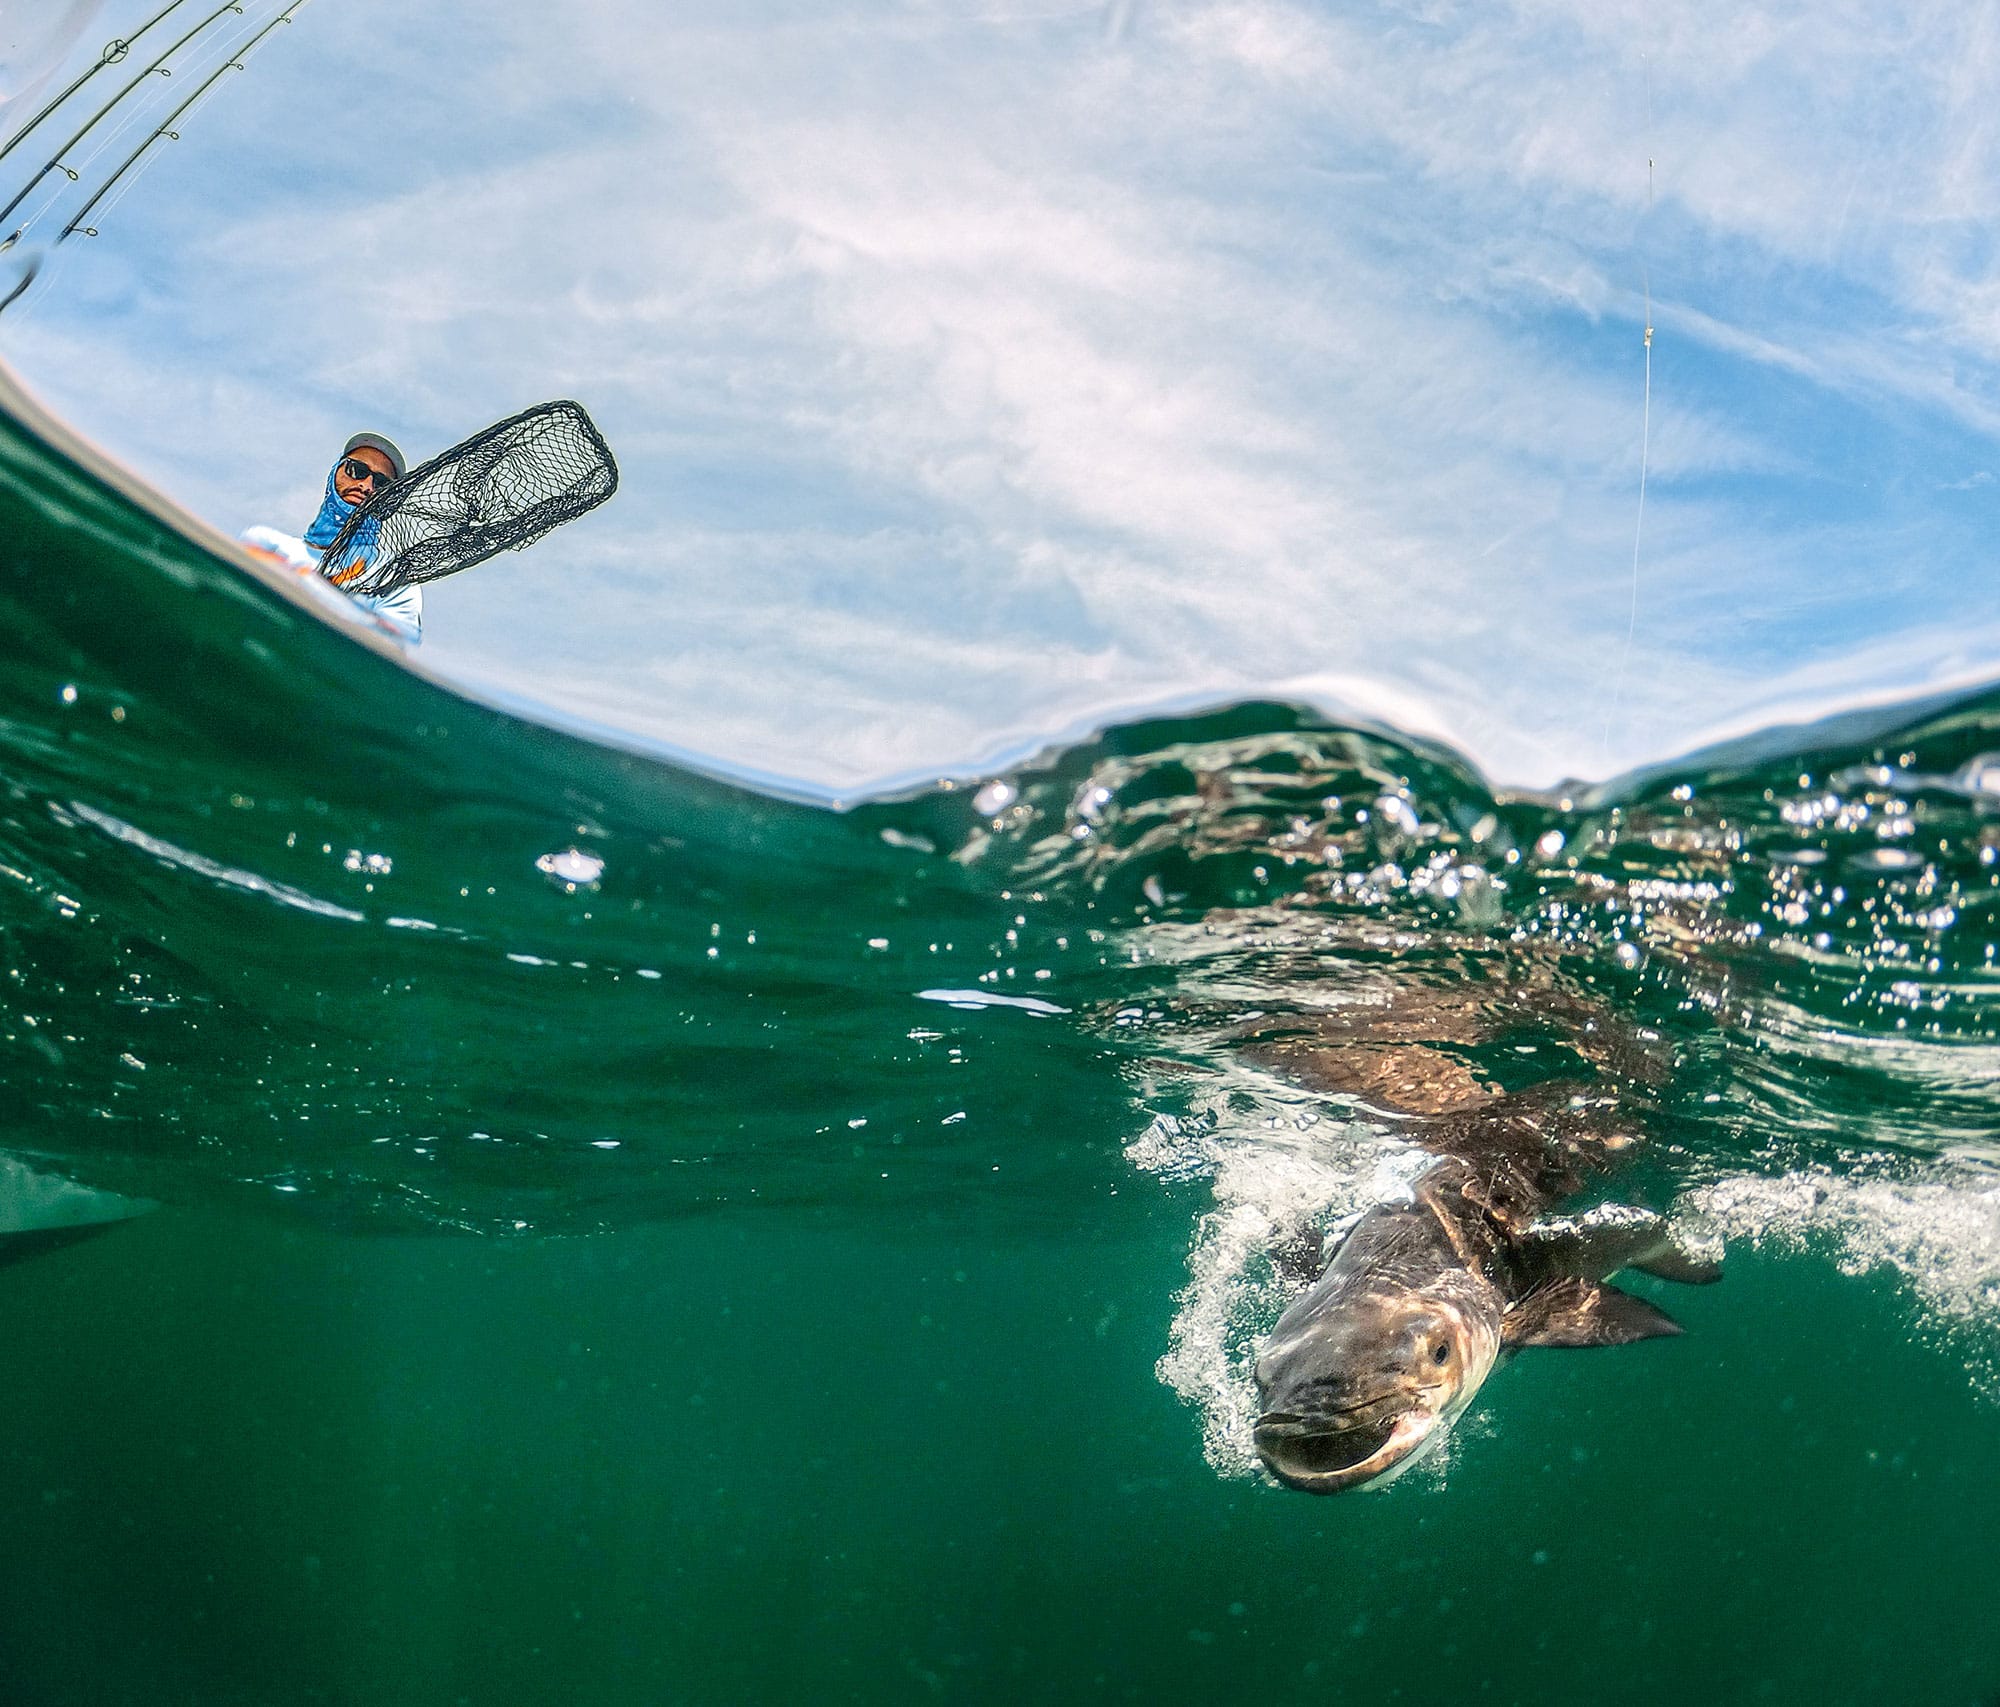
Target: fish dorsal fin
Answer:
pixel 1574 1312
pixel 1302 1253
pixel 1673 1262
pixel 1337 1235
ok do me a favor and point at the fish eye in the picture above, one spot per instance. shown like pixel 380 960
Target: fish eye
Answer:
pixel 1440 1353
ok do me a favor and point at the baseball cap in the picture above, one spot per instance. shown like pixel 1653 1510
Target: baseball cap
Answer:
pixel 387 446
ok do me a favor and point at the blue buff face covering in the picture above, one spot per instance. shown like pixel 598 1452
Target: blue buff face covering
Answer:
pixel 333 511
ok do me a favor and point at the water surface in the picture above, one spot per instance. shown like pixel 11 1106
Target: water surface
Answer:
pixel 629 1235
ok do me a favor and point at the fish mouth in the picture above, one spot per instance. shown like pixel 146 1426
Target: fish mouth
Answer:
pixel 1329 1453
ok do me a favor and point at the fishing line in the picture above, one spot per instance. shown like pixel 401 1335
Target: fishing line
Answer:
pixel 114 51
pixel 76 226
pixel 159 67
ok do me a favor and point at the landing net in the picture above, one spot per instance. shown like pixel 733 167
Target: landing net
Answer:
pixel 500 490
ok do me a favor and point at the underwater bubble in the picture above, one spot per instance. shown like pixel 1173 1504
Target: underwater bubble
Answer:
pixel 1397 812
pixel 1888 859
pixel 1936 1227
pixel 1090 801
pixel 1980 775
pixel 995 797
pixel 1478 896
pixel 1866 776
pixel 571 865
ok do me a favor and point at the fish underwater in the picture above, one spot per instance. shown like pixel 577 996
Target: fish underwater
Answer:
pixel 1448 1025
pixel 1422 1298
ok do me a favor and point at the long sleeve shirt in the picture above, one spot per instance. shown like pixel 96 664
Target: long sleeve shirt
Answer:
pixel 401 611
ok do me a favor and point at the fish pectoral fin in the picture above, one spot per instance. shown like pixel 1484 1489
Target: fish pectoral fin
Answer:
pixel 43 1212
pixel 1615 1236
pixel 1591 1248
pixel 1672 1262
pixel 1582 1313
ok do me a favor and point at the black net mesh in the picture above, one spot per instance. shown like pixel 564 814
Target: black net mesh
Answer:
pixel 498 491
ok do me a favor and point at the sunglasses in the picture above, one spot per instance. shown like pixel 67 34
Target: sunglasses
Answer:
pixel 361 471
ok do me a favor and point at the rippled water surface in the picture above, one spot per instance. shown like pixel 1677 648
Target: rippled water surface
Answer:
pixel 624 1236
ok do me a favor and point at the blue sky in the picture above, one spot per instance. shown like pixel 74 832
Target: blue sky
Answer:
pixel 984 370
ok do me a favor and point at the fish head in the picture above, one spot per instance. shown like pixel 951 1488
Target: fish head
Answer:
pixel 1356 1383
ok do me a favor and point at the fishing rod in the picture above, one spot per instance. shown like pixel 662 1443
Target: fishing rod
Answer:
pixel 114 51
pixel 158 66
pixel 235 63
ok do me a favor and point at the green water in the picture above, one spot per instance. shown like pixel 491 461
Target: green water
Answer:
pixel 747 1458
pixel 816 1254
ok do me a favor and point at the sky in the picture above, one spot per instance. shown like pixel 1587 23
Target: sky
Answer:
pixel 985 371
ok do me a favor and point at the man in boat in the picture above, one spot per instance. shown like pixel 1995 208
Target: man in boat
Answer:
pixel 367 463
